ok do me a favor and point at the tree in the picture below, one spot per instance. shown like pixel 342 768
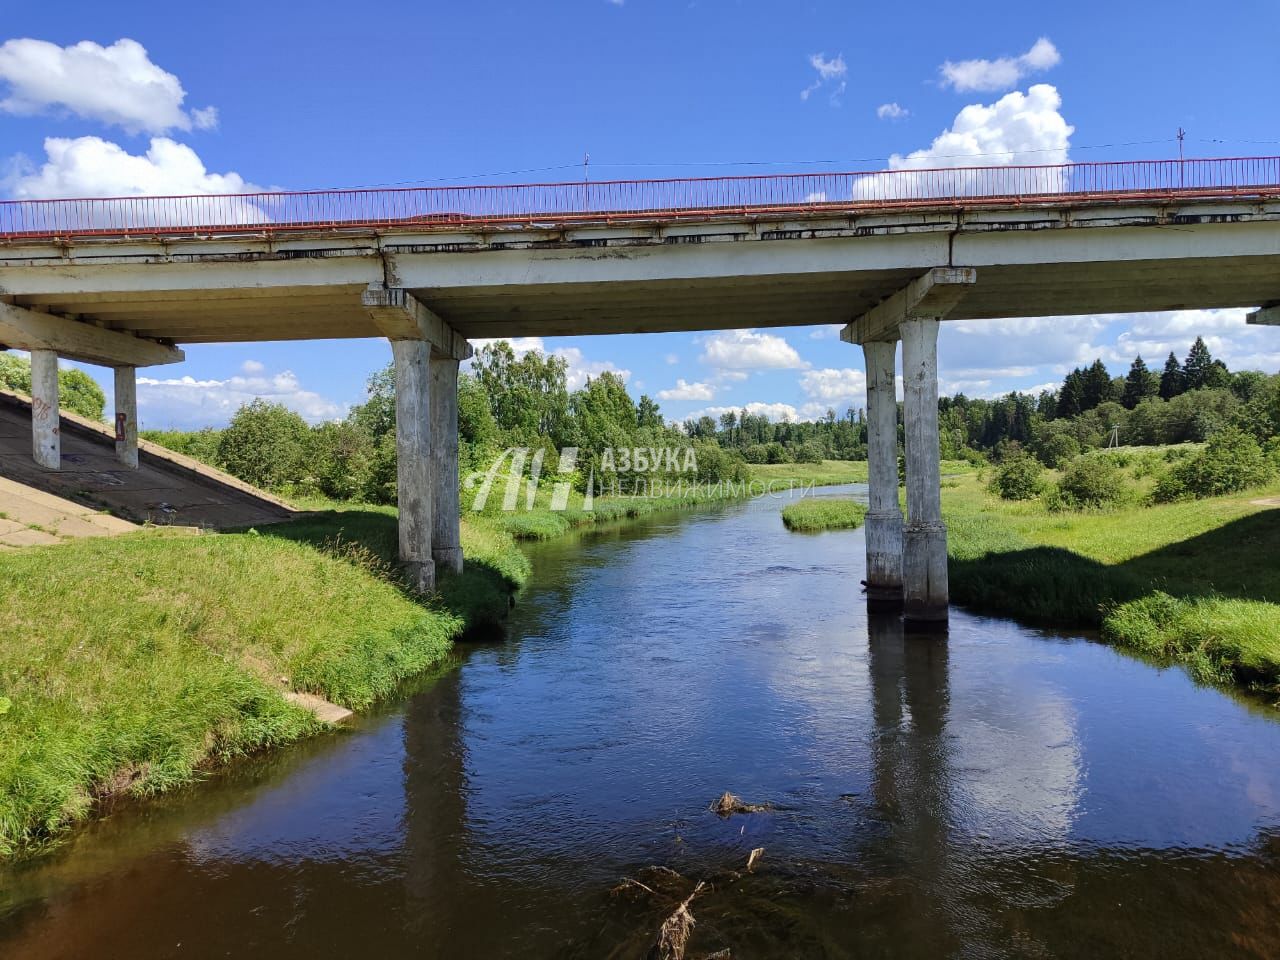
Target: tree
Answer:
pixel 77 391
pixel 1196 370
pixel 1173 382
pixel 1071 396
pixel 1139 384
pixel 266 444
pixel 1097 385
pixel 648 416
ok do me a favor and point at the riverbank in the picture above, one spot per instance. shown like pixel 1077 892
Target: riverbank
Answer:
pixel 1194 583
pixel 133 664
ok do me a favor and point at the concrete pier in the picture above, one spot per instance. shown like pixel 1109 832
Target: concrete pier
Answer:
pixel 413 459
pixel 924 561
pixel 446 542
pixel 884 519
pixel 46 442
pixel 126 420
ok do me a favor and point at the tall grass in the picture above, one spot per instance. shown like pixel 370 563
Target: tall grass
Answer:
pixel 132 663
pixel 813 514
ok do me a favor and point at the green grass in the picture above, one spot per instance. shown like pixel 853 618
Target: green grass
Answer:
pixel 812 514
pixel 828 473
pixel 133 663
pixel 1193 582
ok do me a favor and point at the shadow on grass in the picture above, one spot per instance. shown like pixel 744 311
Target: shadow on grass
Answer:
pixel 481 594
pixel 1053 585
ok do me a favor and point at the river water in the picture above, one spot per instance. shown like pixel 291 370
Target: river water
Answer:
pixel 1006 792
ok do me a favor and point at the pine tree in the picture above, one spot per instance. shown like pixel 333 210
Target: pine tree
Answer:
pixel 1195 371
pixel 1071 396
pixel 1097 385
pixel 1172 382
pixel 1138 385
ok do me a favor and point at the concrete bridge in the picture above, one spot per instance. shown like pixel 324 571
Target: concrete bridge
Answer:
pixel 122 281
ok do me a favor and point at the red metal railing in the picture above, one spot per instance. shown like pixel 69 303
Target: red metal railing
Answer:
pixel 434 208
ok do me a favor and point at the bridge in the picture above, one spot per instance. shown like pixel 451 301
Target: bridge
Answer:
pixel 887 254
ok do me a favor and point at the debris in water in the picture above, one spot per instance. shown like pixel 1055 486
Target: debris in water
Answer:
pixel 673 936
pixel 756 854
pixel 728 805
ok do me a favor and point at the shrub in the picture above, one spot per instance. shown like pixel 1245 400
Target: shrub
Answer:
pixel 1232 460
pixel 266 444
pixel 1058 450
pixel 1019 478
pixel 77 391
pixel 1090 482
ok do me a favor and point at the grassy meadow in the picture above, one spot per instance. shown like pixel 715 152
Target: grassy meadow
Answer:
pixel 1193 582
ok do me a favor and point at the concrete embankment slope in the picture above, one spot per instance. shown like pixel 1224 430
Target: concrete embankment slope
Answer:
pixel 167 488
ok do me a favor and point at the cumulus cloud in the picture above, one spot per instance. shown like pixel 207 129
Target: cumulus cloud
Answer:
pixel 116 85
pixel 1001 74
pixel 774 411
pixel 1019 128
pixel 835 386
pixel 830 74
pixel 892 111
pixel 252 366
pixel 93 167
pixel 750 350
pixel 188 403
pixel 672 359
pixel 683 390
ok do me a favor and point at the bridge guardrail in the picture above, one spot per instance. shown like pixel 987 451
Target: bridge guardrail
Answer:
pixel 497 205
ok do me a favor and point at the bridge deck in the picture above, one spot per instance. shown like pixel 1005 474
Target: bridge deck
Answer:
pixel 648 256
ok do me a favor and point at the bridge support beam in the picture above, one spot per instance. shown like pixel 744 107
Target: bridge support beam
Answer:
pixel 126 403
pixel 446 532
pixel 413 460
pixel 884 519
pixel 912 315
pixel 924 558
pixel 46 438
pixel 427 353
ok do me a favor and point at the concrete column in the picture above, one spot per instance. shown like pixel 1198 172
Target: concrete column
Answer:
pixel 46 439
pixel 884 519
pixel 446 533
pixel 127 416
pixel 924 561
pixel 413 459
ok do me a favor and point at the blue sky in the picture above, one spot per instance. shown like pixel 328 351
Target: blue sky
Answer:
pixel 337 95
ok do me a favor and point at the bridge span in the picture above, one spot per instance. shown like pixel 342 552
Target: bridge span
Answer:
pixel 887 254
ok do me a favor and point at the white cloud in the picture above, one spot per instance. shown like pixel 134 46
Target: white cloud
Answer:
pixel 1018 129
pixel 672 359
pixel 1001 74
pixel 252 366
pixel 683 390
pixel 831 386
pixel 830 73
pixel 749 350
pixel 117 85
pixel 188 403
pixel 892 111
pixel 93 167
pixel 826 332
pixel 774 411
pixel 730 376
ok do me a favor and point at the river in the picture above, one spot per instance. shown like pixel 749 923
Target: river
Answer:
pixel 1005 792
